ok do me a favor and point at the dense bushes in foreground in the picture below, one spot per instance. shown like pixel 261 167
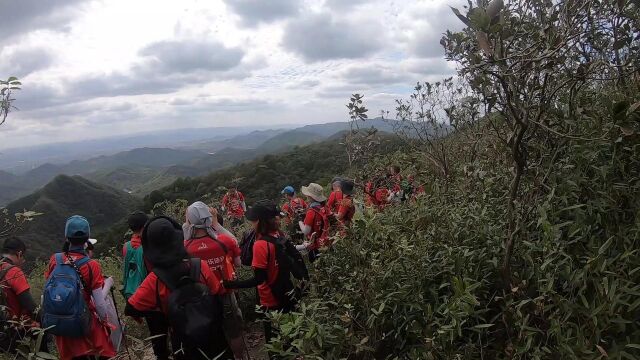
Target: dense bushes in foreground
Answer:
pixel 424 280
pixel 526 245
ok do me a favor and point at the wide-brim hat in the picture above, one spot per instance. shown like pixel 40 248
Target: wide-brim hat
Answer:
pixel 314 191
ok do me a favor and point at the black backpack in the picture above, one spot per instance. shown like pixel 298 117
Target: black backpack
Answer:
pixel 290 262
pixel 246 248
pixel 194 314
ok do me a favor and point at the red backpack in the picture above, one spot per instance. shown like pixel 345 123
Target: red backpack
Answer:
pixel 320 227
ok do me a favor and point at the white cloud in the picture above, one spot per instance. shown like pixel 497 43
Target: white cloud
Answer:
pixel 95 68
pixel 323 36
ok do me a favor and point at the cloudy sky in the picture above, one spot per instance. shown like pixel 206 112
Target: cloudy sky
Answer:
pixel 96 68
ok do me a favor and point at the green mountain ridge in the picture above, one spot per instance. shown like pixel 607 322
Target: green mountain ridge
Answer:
pixel 264 177
pixel 142 170
pixel 65 196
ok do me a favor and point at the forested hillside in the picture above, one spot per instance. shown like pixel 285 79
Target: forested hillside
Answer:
pixel 264 178
pixel 65 196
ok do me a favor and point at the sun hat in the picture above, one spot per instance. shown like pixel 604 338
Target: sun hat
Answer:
pixel 263 210
pixel 77 227
pixel 314 191
pixel 199 217
pixel 289 190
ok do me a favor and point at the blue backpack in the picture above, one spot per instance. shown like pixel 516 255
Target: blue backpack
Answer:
pixel 65 309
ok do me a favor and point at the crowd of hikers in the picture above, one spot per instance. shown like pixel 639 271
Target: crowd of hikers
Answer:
pixel 180 278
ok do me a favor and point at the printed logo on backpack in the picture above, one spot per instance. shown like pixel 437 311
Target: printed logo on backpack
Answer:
pixel 65 308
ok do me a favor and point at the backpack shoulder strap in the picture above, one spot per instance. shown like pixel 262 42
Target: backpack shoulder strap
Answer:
pixel 195 269
pixel 82 261
pixel 222 245
pixel 4 271
pixel 59 259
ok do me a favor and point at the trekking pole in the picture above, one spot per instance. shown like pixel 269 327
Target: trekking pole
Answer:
pixel 124 339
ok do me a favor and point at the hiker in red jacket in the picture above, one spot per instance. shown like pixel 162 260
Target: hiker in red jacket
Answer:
pixel 19 305
pixel 163 242
pixel 377 194
pixel 346 208
pixel 95 344
pixel 293 206
pixel 222 254
pixel 274 285
pixel 233 204
pixel 335 197
pixel 315 225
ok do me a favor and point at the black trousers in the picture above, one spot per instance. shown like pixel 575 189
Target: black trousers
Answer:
pixel 157 324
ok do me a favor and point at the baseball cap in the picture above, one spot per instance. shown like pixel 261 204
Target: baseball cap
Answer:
pixel 289 190
pixel 262 210
pixel 77 227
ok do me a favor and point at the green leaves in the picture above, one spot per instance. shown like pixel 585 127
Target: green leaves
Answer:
pixel 462 18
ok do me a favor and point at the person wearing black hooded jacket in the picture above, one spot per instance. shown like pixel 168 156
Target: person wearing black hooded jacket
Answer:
pixel 162 240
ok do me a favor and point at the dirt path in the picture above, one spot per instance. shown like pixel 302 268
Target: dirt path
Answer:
pixel 253 337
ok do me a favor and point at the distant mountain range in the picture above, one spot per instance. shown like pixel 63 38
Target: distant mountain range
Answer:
pixel 20 160
pixel 142 170
pixel 65 196
pixel 278 160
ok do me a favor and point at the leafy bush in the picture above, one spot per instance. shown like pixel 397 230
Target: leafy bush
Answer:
pixel 424 280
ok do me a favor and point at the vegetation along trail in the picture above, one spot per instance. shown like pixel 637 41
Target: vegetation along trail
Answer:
pixel 494 215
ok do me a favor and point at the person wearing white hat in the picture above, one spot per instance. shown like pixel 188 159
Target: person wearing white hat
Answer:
pixel 315 225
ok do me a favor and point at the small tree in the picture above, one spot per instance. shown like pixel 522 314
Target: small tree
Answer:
pixel 431 113
pixel 359 141
pixel 7 87
pixel 532 62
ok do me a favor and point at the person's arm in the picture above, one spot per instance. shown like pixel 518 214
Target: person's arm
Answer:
pixel 129 310
pixel 144 300
pixel 17 282
pixel 26 302
pixel 332 199
pixel 259 277
pixel 306 229
pixel 217 227
pixel 306 225
pixel 222 230
pixel 237 262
